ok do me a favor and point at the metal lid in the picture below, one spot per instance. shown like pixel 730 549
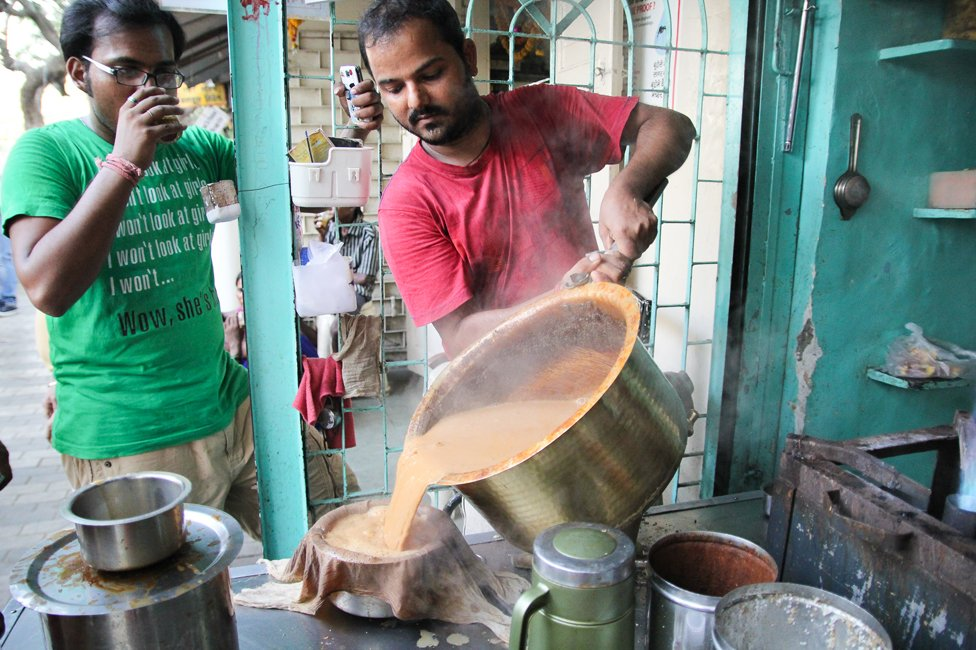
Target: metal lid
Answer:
pixel 53 578
pixel 583 555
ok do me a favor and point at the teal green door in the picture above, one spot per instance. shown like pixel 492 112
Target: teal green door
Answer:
pixel 825 296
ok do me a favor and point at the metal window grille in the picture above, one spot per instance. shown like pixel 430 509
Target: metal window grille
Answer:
pixel 669 57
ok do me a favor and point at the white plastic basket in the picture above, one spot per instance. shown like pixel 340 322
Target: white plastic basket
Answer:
pixel 342 181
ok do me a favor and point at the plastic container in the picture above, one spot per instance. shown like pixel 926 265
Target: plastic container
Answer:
pixel 220 201
pixel 342 181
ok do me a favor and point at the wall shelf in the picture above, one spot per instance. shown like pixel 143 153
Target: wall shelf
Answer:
pixel 928 49
pixel 879 375
pixel 940 213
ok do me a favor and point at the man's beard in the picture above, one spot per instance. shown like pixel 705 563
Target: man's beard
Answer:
pixel 452 127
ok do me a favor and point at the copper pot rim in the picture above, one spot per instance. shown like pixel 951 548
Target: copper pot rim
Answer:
pixel 607 294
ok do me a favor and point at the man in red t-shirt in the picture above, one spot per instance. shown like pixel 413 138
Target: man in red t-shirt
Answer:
pixel 489 211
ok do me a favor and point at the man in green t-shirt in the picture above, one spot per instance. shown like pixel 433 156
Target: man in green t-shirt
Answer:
pixel 111 240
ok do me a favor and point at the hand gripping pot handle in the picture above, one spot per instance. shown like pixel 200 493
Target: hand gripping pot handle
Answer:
pixel 534 599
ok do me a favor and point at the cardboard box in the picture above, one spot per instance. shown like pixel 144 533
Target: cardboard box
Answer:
pixel 315 147
pixel 953 190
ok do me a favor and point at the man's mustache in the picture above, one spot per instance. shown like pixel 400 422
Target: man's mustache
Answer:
pixel 428 111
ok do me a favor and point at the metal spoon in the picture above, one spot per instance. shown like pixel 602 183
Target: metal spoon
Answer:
pixel 851 190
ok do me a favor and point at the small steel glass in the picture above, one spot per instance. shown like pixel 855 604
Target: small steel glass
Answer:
pixel 130 521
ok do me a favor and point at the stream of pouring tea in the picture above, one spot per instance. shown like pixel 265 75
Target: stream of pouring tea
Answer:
pixel 466 442
pixel 459 443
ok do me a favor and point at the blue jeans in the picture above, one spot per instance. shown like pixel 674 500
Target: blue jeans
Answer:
pixel 8 279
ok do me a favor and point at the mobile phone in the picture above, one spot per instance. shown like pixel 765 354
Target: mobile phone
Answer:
pixel 350 76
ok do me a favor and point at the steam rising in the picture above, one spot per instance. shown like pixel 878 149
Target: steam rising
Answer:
pixel 564 353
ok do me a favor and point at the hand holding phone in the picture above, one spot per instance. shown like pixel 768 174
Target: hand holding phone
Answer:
pixel 350 76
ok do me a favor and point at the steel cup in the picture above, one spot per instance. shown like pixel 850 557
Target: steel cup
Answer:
pixel 129 522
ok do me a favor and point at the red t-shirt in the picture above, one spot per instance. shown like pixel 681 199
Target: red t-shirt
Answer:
pixel 505 228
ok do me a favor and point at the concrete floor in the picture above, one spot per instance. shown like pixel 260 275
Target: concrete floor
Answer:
pixel 29 505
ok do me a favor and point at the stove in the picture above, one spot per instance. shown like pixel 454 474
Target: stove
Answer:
pixel 842 519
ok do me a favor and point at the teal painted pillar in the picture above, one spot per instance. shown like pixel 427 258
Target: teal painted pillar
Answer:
pixel 738 38
pixel 260 126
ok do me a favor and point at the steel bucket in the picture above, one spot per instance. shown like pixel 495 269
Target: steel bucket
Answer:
pixel 690 572
pixel 787 615
pixel 612 458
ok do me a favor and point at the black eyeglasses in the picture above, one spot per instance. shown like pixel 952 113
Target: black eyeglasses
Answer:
pixel 136 77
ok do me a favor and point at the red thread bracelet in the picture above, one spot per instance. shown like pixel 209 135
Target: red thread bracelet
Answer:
pixel 127 170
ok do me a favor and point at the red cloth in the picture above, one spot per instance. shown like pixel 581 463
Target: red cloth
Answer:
pixel 322 378
pixel 508 226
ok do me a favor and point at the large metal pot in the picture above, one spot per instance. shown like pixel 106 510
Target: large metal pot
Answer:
pixel 181 602
pixel 616 454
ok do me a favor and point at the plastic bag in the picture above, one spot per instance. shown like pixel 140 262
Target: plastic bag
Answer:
pixel 915 356
pixel 324 285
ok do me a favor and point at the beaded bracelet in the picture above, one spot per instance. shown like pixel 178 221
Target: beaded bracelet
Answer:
pixel 127 170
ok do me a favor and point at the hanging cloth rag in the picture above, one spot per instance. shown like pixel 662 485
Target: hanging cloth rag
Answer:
pixel 360 354
pixel 322 379
pixel 440 578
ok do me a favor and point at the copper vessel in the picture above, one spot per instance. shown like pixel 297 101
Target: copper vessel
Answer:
pixel 612 458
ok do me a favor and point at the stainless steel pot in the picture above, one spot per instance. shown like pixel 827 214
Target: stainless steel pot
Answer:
pixel 616 454
pixel 129 522
pixel 689 574
pixel 785 615
pixel 182 602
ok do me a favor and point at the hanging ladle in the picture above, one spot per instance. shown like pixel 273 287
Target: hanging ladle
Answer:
pixel 852 190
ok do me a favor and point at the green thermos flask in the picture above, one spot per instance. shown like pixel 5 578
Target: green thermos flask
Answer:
pixel 582 593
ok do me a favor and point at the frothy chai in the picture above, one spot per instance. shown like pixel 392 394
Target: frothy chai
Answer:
pixel 465 442
pixel 363 533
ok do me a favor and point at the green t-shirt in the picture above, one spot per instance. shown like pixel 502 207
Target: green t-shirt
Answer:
pixel 139 358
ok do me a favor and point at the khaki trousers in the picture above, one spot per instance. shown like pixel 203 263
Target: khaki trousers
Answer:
pixel 222 470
